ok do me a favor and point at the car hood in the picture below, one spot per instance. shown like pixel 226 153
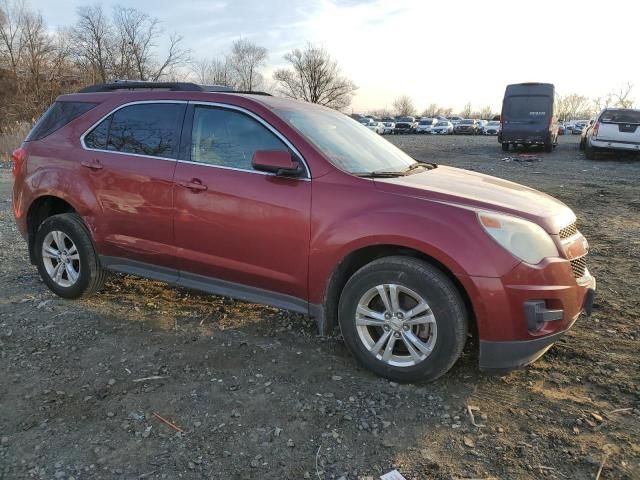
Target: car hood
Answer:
pixel 476 191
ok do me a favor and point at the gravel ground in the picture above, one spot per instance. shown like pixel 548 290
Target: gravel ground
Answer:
pixel 255 394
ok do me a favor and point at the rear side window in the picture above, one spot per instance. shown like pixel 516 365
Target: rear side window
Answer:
pixel 56 117
pixel 151 129
pixel 527 107
pixel 620 116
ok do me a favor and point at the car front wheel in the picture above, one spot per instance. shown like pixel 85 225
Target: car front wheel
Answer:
pixel 403 319
pixel 66 258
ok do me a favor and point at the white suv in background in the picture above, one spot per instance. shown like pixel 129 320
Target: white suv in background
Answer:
pixel 615 129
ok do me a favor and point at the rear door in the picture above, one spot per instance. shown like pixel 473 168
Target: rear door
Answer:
pixel 233 223
pixel 129 159
pixel 620 126
pixel 527 115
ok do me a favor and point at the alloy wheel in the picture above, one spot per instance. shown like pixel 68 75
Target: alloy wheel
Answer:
pixel 396 325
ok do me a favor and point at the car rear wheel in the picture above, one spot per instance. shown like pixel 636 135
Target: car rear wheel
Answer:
pixel 403 319
pixel 589 151
pixel 66 258
pixel 505 147
pixel 548 146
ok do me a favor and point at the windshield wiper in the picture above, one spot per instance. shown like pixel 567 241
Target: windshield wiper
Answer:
pixel 380 174
pixel 427 166
pixel 393 174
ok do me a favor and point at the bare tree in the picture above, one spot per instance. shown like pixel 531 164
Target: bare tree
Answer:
pixel 432 110
pixel 447 111
pixel 246 59
pixel 485 112
pixel 466 111
pixel 622 96
pixel 94 41
pixel 11 23
pixel 38 46
pixel 315 77
pixel 404 106
pixel 138 32
pixel 572 106
pixel 213 71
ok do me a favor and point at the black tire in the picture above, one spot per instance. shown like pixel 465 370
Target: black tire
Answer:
pixel 443 298
pixel 91 276
pixel 581 146
pixel 548 146
pixel 505 147
pixel 589 151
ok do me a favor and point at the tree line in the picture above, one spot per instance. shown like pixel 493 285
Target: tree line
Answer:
pixel 37 65
pixel 567 107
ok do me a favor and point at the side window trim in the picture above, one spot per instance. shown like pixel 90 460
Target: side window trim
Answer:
pixel 120 107
pixel 185 146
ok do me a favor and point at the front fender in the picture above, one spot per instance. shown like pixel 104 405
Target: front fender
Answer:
pixel 348 219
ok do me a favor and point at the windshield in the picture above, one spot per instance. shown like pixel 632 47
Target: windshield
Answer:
pixel 442 124
pixel 425 122
pixel 406 119
pixel 347 144
pixel 466 122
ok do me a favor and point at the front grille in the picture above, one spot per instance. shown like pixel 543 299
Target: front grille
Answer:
pixel 568 231
pixel 579 267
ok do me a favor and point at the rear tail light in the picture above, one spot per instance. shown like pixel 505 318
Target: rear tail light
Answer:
pixel 18 156
pixel 596 127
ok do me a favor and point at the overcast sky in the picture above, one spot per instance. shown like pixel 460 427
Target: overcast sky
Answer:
pixel 445 52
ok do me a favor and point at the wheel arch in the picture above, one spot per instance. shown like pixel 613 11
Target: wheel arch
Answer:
pixel 40 209
pixel 360 257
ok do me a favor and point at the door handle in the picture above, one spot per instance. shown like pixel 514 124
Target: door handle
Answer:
pixel 93 165
pixel 195 185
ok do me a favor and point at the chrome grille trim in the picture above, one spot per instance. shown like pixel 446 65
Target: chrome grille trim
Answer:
pixel 568 231
pixel 579 267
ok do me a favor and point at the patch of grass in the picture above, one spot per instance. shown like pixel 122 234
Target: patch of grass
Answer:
pixel 11 139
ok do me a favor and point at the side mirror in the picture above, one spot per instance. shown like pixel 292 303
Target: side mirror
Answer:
pixel 276 161
pixel 591 122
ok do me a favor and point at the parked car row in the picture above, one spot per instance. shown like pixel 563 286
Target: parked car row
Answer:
pixel 431 125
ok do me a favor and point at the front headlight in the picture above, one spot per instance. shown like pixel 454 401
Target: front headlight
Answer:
pixel 523 239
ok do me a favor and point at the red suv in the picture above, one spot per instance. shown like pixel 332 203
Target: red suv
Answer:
pixel 285 203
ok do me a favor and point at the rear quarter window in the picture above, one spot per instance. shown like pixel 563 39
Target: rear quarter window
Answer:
pixel 56 117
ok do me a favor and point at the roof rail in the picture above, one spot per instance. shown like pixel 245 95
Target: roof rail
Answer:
pixel 143 85
pixel 172 86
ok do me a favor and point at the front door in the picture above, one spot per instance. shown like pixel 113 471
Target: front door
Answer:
pixel 233 223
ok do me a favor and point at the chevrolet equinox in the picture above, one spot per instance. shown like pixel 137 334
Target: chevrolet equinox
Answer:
pixel 281 202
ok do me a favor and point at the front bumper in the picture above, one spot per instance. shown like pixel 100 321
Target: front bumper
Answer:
pixel 520 315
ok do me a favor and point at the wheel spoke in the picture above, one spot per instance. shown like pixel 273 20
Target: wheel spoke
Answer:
pixel 72 275
pixel 50 252
pixel 417 310
pixel 416 342
pixel 75 256
pixel 412 351
pixel 59 239
pixel 380 343
pixel 382 291
pixel 388 351
pixel 371 317
pixel 394 293
pixel 429 318
pixel 73 250
pixel 57 272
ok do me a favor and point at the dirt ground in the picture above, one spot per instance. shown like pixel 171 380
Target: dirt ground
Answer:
pixel 257 395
